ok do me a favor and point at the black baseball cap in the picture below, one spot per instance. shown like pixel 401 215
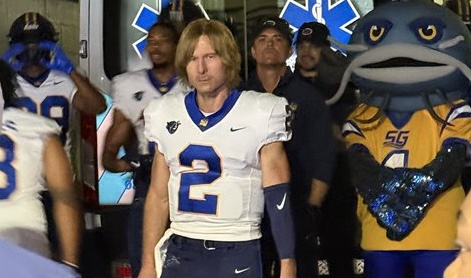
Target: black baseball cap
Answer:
pixel 276 23
pixel 313 32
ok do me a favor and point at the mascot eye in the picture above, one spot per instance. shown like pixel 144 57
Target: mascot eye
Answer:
pixel 427 30
pixel 376 30
pixel 429 33
pixel 376 33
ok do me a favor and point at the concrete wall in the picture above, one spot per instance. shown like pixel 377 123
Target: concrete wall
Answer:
pixel 64 14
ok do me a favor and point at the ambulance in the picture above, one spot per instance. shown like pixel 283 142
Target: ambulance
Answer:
pixel 112 41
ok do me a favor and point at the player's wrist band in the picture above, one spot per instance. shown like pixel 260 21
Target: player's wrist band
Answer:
pixel 278 205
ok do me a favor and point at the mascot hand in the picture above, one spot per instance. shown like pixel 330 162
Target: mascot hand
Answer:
pixel 58 60
pixel 11 56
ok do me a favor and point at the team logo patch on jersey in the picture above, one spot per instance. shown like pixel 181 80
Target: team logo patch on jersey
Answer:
pixel 396 138
pixel 172 126
pixel 138 95
pixel 204 122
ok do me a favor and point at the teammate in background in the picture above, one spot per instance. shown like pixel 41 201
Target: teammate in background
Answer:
pixel 220 157
pixel 49 84
pixel 318 64
pixel 311 151
pixel 48 81
pixel 32 151
pixel 131 93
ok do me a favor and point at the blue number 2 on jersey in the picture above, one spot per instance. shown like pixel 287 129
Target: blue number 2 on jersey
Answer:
pixel 207 205
pixel 45 109
pixel 8 147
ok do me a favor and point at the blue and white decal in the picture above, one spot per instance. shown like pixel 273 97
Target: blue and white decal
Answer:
pixel 336 16
pixel 145 18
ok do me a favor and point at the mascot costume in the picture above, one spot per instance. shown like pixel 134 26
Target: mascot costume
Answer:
pixel 408 138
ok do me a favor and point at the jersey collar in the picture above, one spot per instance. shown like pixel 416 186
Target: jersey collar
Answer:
pixel 162 87
pixel 205 122
pixel 36 81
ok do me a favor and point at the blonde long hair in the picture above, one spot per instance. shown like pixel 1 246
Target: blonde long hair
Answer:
pixel 221 40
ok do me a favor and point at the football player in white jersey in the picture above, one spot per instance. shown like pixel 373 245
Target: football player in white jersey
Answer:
pixel 131 93
pixel 49 83
pixel 220 159
pixel 30 152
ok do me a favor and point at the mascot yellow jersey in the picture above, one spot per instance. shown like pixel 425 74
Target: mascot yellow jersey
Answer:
pixel 409 139
pixel 411 144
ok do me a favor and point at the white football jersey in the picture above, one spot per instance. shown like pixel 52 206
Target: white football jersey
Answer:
pixel 215 186
pixel 52 99
pixel 21 166
pixel 132 92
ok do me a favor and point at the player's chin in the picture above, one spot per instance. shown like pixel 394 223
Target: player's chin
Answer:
pixel 158 59
pixel 203 89
pixel 160 63
pixel 306 64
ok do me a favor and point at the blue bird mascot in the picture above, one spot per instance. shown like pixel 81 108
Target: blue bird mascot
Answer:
pixel 408 138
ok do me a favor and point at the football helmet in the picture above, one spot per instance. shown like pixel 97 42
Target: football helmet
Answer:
pixel 32 27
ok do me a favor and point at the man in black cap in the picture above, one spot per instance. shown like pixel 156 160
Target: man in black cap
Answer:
pixel 311 151
pixel 318 64
pixel 316 60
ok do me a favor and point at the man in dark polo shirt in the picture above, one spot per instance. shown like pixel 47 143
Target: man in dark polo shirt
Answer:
pixel 311 151
pixel 320 65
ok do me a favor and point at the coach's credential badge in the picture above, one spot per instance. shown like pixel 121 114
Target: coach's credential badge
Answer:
pixel 172 126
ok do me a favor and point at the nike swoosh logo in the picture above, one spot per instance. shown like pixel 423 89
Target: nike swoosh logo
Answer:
pixel 239 271
pixel 282 204
pixel 236 129
pixel 58 82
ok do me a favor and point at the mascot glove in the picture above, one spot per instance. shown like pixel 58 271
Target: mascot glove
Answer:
pixel 10 56
pixel 57 60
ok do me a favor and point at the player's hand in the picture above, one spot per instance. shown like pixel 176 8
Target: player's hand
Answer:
pixel 10 56
pixel 57 60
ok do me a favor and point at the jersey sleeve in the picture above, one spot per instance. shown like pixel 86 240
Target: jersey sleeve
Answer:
pixel 30 125
pixel 120 93
pixel 459 128
pixel 151 122
pixel 279 122
pixel 355 133
pixel 38 125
